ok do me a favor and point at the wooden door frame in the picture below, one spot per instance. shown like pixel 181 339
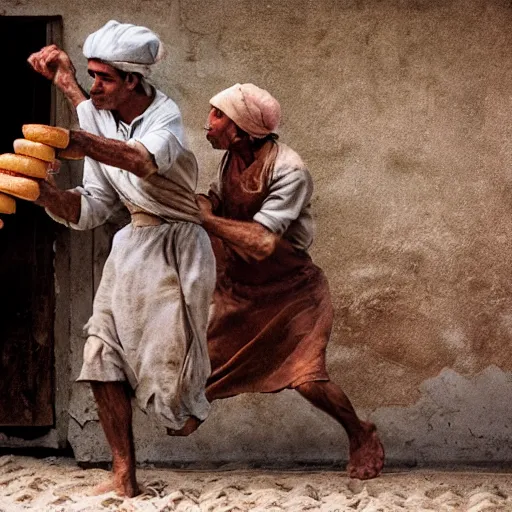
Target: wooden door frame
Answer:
pixel 73 272
pixel 74 286
pixel 59 116
pixel 78 261
pixel 73 299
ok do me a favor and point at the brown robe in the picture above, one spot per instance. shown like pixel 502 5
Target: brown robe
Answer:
pixel 272 319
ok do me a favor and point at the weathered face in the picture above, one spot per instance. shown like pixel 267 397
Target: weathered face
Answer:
pixel 109 90
pixel 221 131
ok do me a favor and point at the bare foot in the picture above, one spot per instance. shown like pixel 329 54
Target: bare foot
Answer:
pixel 122 486
pixel 366 454
pixel 190 426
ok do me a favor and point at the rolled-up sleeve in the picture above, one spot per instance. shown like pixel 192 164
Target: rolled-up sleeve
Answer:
pixel 289 193
pixel 98 202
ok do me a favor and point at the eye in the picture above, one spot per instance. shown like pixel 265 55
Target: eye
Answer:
pixel 218 113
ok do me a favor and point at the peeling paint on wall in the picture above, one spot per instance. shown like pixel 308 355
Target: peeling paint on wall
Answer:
pixel 456 420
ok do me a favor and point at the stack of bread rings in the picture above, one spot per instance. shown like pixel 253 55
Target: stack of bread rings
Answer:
pixel 21 170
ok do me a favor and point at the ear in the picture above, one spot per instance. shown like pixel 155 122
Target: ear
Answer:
pixel 132 81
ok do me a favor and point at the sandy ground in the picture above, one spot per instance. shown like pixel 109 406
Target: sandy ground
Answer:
pixel 58 484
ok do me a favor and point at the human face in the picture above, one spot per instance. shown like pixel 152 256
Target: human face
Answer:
pixel 221 131
pixel 109 90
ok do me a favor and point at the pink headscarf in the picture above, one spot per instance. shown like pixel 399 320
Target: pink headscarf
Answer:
pixel 253 109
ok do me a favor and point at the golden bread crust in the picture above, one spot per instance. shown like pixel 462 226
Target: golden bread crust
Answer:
pixel 25 165
pixel 17 186
pixel 54 136
pixel 71 154
pixel 34 149
pixel 7 204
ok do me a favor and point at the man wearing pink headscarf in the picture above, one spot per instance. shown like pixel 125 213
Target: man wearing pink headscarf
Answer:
pixel 272 313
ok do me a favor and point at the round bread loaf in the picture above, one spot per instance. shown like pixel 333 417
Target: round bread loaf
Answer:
pixel 71 154
pixel 17 186
pixel 7 204
pixel 22 164
pixel 34 149
pixel 52 135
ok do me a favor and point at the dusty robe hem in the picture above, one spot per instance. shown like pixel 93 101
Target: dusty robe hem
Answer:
pixel 150 317
pixel 271 319
pixel 266 337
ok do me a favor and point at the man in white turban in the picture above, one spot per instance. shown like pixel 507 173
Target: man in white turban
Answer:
pixel 272 313
pixel 147 334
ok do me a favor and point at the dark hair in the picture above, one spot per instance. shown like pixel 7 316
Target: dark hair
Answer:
pixel 124 74
pixel 257 142
pixel 271 136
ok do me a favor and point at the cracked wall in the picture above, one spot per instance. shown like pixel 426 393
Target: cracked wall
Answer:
pixel 401 110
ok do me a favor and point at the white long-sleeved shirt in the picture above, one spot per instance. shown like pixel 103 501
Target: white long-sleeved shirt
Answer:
pixel 168 193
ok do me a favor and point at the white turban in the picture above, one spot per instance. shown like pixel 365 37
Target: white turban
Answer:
pixel 253 109
pixel 129 48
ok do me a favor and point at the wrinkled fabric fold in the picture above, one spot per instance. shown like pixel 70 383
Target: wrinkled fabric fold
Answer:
pixel 149 321
pixel 270 325
pixel 271 320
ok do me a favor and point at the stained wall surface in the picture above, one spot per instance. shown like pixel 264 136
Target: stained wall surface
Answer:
pixel 400 108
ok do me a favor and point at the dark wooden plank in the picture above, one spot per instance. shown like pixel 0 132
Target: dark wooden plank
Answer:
pixel 59 115
pixel 26 252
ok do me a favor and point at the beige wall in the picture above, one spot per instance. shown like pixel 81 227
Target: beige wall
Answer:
pixel 401 110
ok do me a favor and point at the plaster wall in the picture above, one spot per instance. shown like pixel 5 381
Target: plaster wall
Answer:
pixel 400 108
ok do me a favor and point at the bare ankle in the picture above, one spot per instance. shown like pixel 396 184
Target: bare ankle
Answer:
pixel 119 484
pixel 360 435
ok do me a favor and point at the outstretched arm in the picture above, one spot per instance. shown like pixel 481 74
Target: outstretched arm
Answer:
pixel 249 239
pixel 55 64
pixel 134 158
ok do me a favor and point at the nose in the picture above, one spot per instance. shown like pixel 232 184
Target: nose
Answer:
pixel 96 86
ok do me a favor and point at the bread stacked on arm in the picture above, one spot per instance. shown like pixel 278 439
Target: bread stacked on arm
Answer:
pixel 52 136
pixel 18 175
pixel 21 170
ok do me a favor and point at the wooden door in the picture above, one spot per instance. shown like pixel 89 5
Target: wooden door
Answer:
pixel 26 247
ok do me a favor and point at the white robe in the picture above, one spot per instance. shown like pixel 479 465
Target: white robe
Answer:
pixel 150 312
